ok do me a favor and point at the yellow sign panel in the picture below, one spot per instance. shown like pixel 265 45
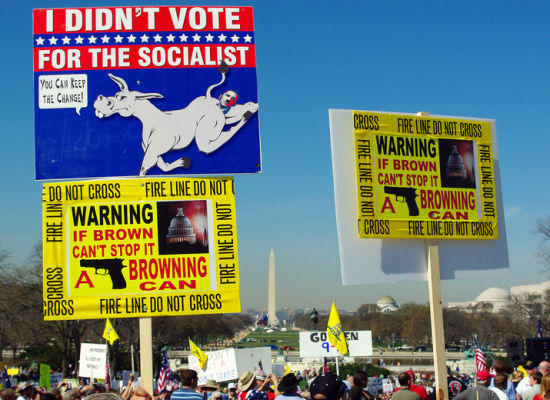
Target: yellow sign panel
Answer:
pixel 139 248
pixel 424 177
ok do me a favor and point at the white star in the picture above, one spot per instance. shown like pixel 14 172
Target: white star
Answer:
pixel 248 39
pixel 53 40
pixel 131 38
pixel 157 38
pixel 209 38
pixel 183 37
pixel 79 39
pixel 118 39
pixel 92 39
pixel 170 38
pixel 196 38
pixel 105 39
pixel 144 38
pixel 39 41
pixel 222 38
pixel 234 39
pixel 66 40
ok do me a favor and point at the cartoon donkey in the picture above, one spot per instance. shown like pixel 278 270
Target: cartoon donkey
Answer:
pixel 203 119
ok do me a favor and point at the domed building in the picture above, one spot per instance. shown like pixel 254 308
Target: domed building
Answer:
pixel 499 298
pixel 387 304
pixel 494 297
pixel 180 230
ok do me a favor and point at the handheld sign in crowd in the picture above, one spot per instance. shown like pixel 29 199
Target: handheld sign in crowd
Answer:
pixel 229 364
pixel 122 91
pixel 316 344
pixel 93 360
pixel 134 248
pixel 404 176
pixel 424 177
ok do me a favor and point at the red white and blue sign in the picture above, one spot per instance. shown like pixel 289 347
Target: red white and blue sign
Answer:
pixel 127 91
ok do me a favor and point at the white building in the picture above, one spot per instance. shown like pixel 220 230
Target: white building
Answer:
pixel 387 304
pixel 500 298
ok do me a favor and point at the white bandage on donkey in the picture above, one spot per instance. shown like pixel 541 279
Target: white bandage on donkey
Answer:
pixel 203 120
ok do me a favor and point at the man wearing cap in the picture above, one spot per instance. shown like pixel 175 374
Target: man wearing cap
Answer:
pixel 288 387
pixel 524 384
pixel 405 392
pixel 479 391
pixel 419 390
pixel 189 381
pixel 250 389
pixel 231 391
pixel 327 386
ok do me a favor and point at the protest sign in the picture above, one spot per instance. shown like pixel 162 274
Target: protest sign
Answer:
pixel 93 360
pixel 424 177
pixel 122 91
pixel 45 375
pixel 316 344
pixel 229 364
pixel 134 248
pixel 381 260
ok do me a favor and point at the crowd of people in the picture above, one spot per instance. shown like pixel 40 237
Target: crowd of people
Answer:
pixel 494 384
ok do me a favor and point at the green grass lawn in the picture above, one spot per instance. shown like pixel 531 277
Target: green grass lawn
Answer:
pixel 279 339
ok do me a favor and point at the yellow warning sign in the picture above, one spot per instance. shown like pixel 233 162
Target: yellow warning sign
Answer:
pixel 135 248
pixel 424 177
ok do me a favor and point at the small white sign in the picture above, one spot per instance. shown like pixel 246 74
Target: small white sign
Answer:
pixel 229 364
pixel 93 360
pixel 316 344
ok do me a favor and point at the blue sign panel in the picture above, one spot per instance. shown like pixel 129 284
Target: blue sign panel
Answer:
pixel 128 91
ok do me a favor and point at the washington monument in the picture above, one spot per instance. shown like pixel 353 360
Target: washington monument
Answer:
pixel 271 317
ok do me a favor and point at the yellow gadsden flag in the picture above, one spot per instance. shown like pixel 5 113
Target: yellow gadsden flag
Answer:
pixel 109 332
pixel 203 358
pixel 335 332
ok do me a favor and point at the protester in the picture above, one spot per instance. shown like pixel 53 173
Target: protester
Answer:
pixel 250 389
pixel 209 387
pixel 7 394
pixel 103 396
pixel 517 376
pixel 405 392
pixel 327 386
pixel 455 384
pixel 415 388
pixel 534 381
pixel 72 394
pixel 479 391
pixel 189 381
pixel 128 391
pixel 288 388
pixel 544 368
pixel 500 383
pixel 524 384
pixel 358 389
pixel 231 391
pixel 499 367
pixel 544 388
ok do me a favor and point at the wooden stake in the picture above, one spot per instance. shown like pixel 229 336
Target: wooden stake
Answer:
pixel 146 353
pixel 436 314
pixel 436 317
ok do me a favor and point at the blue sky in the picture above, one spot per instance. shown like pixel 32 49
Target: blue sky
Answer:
pixel 474 59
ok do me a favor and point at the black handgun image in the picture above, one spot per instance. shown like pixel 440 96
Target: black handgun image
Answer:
pixel 110 266
pixel 402 194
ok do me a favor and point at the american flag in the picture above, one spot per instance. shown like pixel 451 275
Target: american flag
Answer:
pixel 165 372
pixel 108 376
pixel 479 357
